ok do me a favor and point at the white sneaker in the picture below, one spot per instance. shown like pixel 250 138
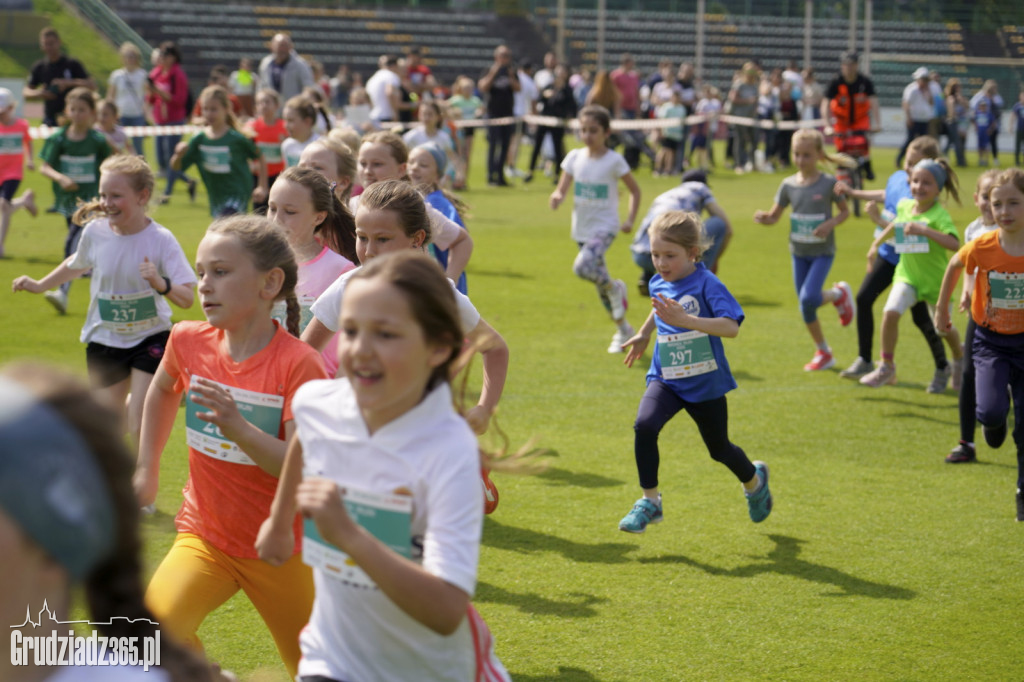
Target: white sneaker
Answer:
pixel 58 299
pixel 619 300
pixel 620 338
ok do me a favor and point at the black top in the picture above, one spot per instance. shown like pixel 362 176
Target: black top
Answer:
pixel 500 98
pixel 45 72
pixel 560 102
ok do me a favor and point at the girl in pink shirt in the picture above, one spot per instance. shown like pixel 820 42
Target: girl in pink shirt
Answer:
pixel 321 232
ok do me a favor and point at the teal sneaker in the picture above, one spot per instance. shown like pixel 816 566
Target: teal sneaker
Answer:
pixel 760 503
pixel 643 513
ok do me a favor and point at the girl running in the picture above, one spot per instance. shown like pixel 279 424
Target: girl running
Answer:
pixel 107 117
pixel 137 266
pixel 223 155
pixel 68 521
pixel 923 232
pixel 319 229
pixel 239 361
pixel 986 222
pixel 15 151
pixel 268 131
pixel 426 167
pixel 71 158
pixel 812 240
pixel 335 161
pixel 391 217
pixel 469 107
pixel 596 170
pixel 300 119
pixel 883 266
pixel 997 259
pixel 692 312
pixel 432 129
pixel 392 603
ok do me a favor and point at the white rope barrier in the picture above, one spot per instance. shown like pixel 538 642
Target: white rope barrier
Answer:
pixel 43 132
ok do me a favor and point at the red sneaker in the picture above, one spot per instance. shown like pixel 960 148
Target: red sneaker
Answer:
pixel 490 492
pixel 820 361
pixel 846 305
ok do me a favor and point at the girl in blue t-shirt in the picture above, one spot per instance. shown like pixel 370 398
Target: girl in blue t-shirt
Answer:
pixel 426 167
pixel 692 311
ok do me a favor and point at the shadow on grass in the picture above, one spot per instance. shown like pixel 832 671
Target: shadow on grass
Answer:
pixel 745 376
pixel 504 274
pixel 555 476
pixel 523 541
pixel 874 398
pixel 755 302
pixel 785 560
pixel 579 606
pixel 564 674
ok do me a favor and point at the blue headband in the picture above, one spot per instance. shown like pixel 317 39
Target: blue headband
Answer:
pixel 935 168
pixel 440 158
pixel 50 483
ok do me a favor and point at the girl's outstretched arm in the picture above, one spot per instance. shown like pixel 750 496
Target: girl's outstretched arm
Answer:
pixel 59 275
pixel 768 217
pixel 829 225
pixel 158 413
pixel 558 196
pixel 942 322
pixel 485 340
pixel 425 597
pixel 180 295
pixel 458 255
pixel 276 540
pixel 637 344
pixel 949 241
pixel 634 202
pixel 317 334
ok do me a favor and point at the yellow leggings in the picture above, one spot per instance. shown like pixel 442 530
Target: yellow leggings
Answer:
pixel 195 578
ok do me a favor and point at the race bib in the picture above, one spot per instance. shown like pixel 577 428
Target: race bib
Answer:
pixel 909 243
pixel 216 159
pixel 1006 290
pixel 685 355
pixel 271 151
pixel 81 169
pixel 128 313
pixel 386 517
pixel 262 410
pixel 593 191
pixel 11 144
pixel 802 226
pixel 280 311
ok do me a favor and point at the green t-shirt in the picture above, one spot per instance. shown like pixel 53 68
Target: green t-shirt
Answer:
pixel 224 166
pixel 924 271
pixel 79 160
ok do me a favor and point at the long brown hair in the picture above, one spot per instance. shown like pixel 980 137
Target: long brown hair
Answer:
pixel 338 229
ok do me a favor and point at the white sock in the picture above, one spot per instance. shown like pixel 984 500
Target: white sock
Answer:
pixel 624 327
pixel 823 347
pixel 653 497
pixel 760 484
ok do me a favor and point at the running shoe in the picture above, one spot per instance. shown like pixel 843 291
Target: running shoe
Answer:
pixel 961 453
pixel 643 513
pixel 940 379
pixel 58 299
pixel 820 361
pixel 845 304
pixel 859 368
pixel 619 338
pixel 619 300
pixel 881 375
pixel 760 503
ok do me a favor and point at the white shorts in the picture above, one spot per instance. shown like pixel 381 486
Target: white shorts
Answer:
pixel 903 296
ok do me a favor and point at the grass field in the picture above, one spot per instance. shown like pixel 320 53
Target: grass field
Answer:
pixel 879 562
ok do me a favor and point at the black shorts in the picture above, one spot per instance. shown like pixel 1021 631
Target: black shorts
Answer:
pixel 669 143
pixel 8 188
pixel 109 365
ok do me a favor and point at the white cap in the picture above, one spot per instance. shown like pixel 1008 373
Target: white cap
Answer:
pixel 921 73
pixel 6 98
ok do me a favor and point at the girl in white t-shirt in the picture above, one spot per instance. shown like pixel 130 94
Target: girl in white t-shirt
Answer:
pixel 321 232
pixel 137 266
pixel 383 443
pixel 596 171
pixel 299 116
pixel 391 217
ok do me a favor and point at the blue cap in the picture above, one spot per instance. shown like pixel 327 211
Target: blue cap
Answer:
pixel 51 484
pixel 440 158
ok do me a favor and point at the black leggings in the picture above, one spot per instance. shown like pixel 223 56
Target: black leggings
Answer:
pixel 660 404
pixel 875 282
pixel 968 400
pixel 557 134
